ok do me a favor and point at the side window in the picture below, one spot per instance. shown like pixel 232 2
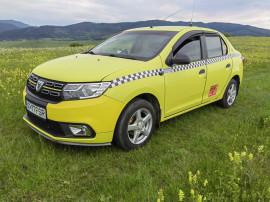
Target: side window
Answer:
pixel 192 48
pixel 215 46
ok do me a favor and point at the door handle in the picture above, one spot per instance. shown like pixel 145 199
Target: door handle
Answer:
pixel 161 73
pixel 202 71
pixel 228 65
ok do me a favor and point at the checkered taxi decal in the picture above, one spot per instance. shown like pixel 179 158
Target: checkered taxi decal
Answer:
pixel 132 77
pixel 155 72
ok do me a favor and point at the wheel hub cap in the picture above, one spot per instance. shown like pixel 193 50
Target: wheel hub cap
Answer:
pixel 231 94
pixel 140 126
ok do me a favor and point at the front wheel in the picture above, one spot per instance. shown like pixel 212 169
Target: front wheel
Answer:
pixel 230 94
pixel 135 125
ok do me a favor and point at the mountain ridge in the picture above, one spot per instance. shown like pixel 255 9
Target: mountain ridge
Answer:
pixel 100 31
pixel 15 23
pixel 7 25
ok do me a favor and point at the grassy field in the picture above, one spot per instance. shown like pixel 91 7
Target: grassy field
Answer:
pixel 44 43
pixel 229 148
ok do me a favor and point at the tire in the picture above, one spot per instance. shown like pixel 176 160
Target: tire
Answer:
pixel 135 125
pixel 230 95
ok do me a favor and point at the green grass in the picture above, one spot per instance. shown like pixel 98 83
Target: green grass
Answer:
pixel 33 168
pixel 43 43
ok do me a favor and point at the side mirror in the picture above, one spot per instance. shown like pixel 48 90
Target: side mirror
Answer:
pixel 180 59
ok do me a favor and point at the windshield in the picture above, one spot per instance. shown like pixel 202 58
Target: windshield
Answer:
pixel 137 45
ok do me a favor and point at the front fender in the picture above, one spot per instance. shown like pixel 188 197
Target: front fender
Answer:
pixel 128 91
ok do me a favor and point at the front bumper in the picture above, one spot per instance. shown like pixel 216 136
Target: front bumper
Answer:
pixel 101 114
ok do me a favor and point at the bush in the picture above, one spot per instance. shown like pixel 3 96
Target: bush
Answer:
pixel 75 44
pixel 227 35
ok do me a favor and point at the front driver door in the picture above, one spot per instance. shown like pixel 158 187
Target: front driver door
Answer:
pixel 184 84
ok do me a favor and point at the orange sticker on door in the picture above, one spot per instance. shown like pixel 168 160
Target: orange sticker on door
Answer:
pixel 213 90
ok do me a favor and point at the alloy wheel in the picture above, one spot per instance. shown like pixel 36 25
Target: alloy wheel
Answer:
pixel 140 125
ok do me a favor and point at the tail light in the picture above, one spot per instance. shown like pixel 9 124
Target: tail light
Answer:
pixel 243 59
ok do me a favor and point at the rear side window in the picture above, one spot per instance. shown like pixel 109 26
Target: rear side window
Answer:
pixel 192 48
pixel 215 47
pixel 224 47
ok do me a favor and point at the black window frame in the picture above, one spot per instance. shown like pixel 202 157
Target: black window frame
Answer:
pixel 181 40
pixel 203 44
pixel 182 45
pixel 227 50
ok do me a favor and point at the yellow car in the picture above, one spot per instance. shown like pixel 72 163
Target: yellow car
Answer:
pixel 120 91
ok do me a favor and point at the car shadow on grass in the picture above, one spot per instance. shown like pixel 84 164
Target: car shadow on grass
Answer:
pixel 188 117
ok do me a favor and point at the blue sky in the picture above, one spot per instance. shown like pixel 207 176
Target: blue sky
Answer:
pixel 64 12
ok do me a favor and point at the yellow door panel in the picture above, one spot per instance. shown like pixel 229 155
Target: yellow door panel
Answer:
pixel 184 89
pixel 217 77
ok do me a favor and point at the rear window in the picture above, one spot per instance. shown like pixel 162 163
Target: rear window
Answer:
pixel 214 46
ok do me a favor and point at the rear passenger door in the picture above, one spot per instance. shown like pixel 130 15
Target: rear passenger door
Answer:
pixel 219 66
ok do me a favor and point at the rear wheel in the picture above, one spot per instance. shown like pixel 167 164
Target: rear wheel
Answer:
pixel 230 95
pixel 135 125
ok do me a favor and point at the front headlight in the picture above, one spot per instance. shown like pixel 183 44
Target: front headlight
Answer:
pixel 84 90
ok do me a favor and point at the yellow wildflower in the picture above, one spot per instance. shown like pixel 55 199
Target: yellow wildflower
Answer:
pixel 230 156
pixel 160 195
pixel 243 154
pixel 190 177
pixel 199 198
pixel 205 182
pixel 260 149
pixel 181 195
pixel 250 156
pixel 237 158
pixel 195 179
pixel 192 192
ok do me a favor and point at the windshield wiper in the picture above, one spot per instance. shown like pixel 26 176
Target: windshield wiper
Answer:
pixel 90 52
pixel 128 57
pixel 123 56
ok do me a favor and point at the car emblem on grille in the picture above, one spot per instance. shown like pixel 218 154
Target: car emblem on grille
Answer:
pixel 39 85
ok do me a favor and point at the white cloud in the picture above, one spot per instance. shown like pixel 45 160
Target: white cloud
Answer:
pixel 64 12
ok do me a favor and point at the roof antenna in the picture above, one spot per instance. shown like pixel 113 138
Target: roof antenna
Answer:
pixel 168 16
pixel 171 15
pixel 192 14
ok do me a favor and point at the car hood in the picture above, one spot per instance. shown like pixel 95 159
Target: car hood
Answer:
pixel 82 67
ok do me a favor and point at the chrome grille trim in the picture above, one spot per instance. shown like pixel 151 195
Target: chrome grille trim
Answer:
pixel 47 91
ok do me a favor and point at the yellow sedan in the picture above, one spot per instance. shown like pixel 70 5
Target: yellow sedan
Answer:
pixel 119 91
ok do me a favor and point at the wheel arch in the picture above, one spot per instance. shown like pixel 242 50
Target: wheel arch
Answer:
pixel 237 79
pixel 152 99
pixel 155 103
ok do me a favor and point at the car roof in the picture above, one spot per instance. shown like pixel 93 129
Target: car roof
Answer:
pixel 172 28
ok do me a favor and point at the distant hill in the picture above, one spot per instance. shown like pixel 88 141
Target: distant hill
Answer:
pixel 7 25
pixel 99 31
pixel 15 23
